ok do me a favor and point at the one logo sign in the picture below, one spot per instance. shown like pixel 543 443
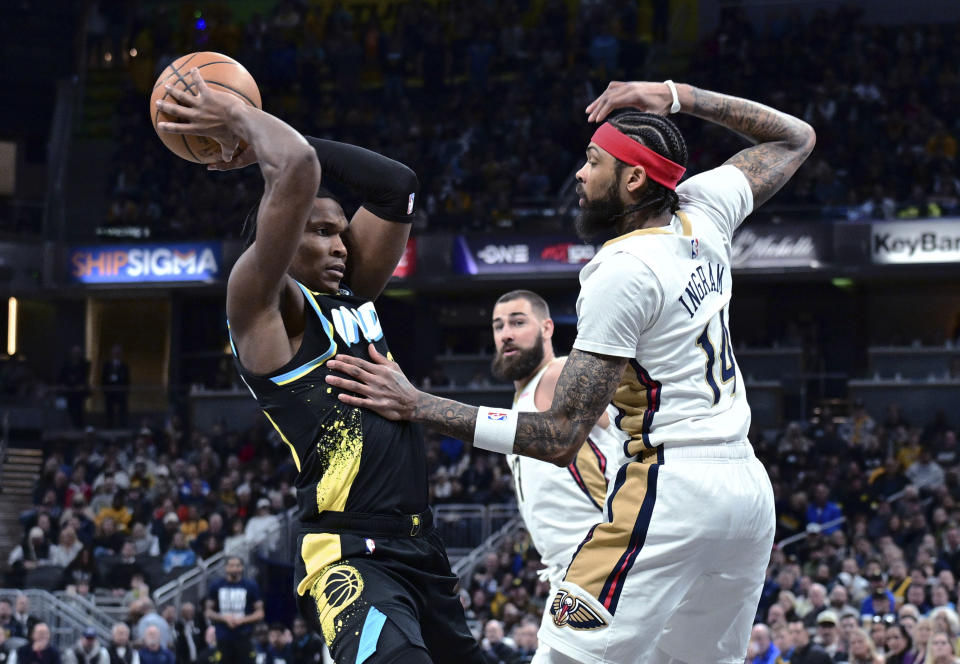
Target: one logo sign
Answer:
pixel 571 611
pixel 145 263
pixel 496 417
pixel 371 546
pixel 694 247
pixel 410 203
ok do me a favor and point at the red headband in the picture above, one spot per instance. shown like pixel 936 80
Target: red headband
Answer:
pixel 659 168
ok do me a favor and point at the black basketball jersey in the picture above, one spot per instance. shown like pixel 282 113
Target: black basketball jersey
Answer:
pixel 349 459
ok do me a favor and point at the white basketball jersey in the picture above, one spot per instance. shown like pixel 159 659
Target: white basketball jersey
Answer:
pixel 560 505
pixel 660 297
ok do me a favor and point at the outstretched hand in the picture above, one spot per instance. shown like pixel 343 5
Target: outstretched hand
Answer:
pixel 643 95
pixel 203 112
pixel 382 386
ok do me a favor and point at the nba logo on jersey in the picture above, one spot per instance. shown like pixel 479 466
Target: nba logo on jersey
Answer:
pixel 371 546
pixel 496 417
pixel 410 202
pixel 694 248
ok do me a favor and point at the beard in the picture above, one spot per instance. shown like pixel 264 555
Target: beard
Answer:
pixel 519 366
pixel 600 215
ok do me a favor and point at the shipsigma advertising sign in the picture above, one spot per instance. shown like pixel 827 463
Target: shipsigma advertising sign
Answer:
pixel 144 263
pixel 913 242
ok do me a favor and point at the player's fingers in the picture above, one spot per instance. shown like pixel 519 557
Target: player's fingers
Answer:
pixel 174 109
pixel 184 97
pixel 358 378
pixel 377 357
pixel 176 128
pixel 198 81
pixel 351 400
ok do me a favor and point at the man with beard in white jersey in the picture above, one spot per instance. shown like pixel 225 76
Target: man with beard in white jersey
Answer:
pixel 674 574
pixel 558 505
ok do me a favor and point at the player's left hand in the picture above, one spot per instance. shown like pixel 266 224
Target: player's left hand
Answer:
pixel 381 385
pixel 643 95
pixel 202 112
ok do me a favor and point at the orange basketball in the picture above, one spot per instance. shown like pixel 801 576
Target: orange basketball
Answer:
pixel 220 72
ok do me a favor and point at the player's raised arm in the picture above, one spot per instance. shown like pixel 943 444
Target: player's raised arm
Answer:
pixel 378 231
pixel 291 176
pixel 586 385
pixel 783 141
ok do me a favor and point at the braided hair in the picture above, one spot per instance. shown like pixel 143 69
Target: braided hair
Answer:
pixel 663 137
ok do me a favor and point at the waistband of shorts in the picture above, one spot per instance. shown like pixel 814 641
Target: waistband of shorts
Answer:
pixel 741 449
pixel 381 525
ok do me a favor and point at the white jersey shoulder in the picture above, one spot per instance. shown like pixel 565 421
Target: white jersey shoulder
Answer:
pixel 560 505
pixel 660 297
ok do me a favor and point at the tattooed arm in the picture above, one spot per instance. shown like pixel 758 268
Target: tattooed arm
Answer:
pixel 783 142
pixel 585 387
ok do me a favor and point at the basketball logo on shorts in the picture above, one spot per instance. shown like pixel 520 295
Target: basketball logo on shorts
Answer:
pixel 338 587
pixel 341 586
pixel 571 611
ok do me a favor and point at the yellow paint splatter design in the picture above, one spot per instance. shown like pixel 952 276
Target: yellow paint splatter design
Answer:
pixel 339 447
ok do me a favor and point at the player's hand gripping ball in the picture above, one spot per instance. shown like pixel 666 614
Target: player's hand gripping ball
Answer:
pixel 219 72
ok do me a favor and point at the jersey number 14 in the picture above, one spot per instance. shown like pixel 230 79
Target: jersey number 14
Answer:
pixel 728 366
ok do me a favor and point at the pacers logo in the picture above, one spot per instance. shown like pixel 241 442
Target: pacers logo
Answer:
pixel 338 587
pixel 568 610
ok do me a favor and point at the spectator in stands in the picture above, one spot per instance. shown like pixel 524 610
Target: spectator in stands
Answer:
pixel 22 616
pixel 87 650
pixel 119 650
pixel 278 644
pixel 126 566
pixel 862 649
pixel 193 524
pixel 233 606
pixel 822 510
pixel 926 473
pixel 922 632
pixel 8 625
pixel 153 650
pixel 30 554
pixel 306 647
pixel 66 549
pixel 169 526
pixel 74 382
pixel 211 654
pixel 943 649
pixel 805 651
pixel 762 650
pixel 898 644
pixel 828 635
pixel 103 494
pixel 262 524
pixel 816 603
pixel 179 554
pixel 493 645
pixel 525 639
pixel 117 511
pixel 150 619
pixel 82 576
pixel 144 542
pixel 838 600
pixel 39 650
pixel 887 481
pixel 115 382
pixel 189 631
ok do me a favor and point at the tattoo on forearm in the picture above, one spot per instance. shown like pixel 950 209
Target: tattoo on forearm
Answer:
pixel 784 141
pixel 585 387
pixel 449 417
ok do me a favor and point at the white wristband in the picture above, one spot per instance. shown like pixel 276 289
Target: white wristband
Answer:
pixel 495 429
pixel 675 106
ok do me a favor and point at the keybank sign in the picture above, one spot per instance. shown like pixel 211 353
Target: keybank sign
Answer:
pixel 142 263
pixel 921 241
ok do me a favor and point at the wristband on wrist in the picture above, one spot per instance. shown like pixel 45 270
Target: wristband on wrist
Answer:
pixel 495 429
pixel 675 106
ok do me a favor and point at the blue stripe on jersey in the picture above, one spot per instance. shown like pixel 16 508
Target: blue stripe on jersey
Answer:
pixel 372 626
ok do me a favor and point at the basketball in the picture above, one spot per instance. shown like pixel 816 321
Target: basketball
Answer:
pixel 220 72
